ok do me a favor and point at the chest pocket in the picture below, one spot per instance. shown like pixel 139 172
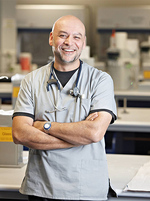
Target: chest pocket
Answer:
pixel 85 107
pixel 79 109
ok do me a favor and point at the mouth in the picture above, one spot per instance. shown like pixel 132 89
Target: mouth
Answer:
pixel 68 50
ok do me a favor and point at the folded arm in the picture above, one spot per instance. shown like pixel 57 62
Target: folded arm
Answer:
pixel 32 135
pixel 80 133
pixel 24 133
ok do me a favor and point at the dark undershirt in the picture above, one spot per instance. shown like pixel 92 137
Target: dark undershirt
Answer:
pixel 64 77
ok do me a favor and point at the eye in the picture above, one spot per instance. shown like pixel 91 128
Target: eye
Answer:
pixel 63 36
pixel 77 37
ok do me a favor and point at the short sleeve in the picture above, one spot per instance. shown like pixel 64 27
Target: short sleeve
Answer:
pixel 103 95
pixel 25 104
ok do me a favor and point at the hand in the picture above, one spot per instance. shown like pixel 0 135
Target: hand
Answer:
pixel 39 125
pixel 92 116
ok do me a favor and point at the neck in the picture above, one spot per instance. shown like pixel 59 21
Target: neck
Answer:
pixel 66 66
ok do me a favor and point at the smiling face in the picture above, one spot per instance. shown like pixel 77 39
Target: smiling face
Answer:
pixel 67 40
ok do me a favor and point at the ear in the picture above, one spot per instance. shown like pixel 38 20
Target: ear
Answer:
pixel 51 39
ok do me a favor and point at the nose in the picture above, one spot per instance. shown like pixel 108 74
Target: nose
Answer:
pixel 68 41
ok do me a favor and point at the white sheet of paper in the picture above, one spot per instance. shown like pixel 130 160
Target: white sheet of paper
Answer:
pixel 141 181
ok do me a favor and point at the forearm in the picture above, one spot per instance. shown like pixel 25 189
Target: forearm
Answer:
pixel 78 133
pixel 84 132
pixel 31 137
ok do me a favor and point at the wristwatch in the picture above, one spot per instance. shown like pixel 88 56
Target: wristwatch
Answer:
pixel 47 126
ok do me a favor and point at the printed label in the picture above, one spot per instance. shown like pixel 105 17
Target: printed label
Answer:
pixel 15 92
pixel 6 134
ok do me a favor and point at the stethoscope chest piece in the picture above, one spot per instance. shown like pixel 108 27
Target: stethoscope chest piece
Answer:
pixel 75 92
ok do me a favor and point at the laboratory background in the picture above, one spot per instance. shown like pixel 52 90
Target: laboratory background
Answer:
pixel 118 42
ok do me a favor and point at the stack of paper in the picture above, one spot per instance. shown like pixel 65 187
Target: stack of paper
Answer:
pixel 141 181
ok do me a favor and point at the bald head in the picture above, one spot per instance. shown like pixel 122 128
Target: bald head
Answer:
pixel 71 21
pixel 67 40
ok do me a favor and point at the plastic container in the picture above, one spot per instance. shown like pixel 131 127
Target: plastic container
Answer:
pixel 25 61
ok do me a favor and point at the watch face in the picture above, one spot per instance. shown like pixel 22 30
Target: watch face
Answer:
pixel 47 126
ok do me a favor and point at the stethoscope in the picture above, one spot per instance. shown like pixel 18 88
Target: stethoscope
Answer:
pixel 75 92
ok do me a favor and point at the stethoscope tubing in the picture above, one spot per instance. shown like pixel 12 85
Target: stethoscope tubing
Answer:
pixel 74 92
pixel 56 80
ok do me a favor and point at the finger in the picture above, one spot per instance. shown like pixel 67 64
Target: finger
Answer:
pixel 92 116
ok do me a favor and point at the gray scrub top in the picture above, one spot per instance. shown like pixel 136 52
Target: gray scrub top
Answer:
pixel 78 173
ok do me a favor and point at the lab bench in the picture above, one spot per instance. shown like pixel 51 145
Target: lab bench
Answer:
pixel 122 168
pixel 130 132
pixel 132 95
pixel 134 98
pixel 132 120
pixel 5 90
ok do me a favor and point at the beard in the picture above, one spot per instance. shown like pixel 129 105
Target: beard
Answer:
pixel 63 58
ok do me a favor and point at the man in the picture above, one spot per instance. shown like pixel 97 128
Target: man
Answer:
pixel 62 113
